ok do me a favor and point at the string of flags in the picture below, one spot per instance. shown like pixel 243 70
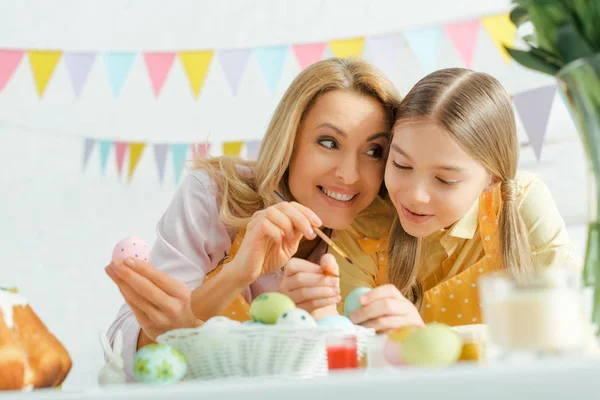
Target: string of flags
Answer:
pixel 424 42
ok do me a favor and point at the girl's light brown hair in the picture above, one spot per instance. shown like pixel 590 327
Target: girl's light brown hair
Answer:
pixel 477 113
pixel 241 196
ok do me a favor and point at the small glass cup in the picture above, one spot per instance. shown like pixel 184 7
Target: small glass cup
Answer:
pixel 540 315
pixel 342 352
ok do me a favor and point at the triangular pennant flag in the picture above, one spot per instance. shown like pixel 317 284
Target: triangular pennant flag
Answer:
pixel 179 152
pixel 232 148
pixel 308 53
pixel 135 153
pixel 160 156
pixel 158 65
pixel 385 51
pixel 196 65
pixel 43 64
pixel 502 31
pixel 464 37
pixel 9 61
pixel 200 150
pixel 78 68
pixel 105 146
pixel 118 66
pixel 252 149
pixel 271 61
pixel 534 108
pixel 88 146
pixel 120 150
pixel 234 64
pixel 426 44
pixel 347 48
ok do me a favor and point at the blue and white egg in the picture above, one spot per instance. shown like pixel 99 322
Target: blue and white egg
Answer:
pixel 336 321
pixel 297 317
pixel 159 364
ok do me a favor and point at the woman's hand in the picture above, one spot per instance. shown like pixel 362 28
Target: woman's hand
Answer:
pixel 160 302
pixel 310 287
pixel 384 309
pixel 272 238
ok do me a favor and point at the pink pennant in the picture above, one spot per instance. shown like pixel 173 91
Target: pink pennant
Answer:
pixel 309 53
pixel 200 150
pixel 120 150
pixel 9 60
pixel 464 37
pixel 159 65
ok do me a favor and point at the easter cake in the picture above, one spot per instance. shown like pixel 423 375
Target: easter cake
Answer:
pixel 30 355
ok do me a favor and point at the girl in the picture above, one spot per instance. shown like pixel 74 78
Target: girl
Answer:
pixel 462 208
pixel 226 233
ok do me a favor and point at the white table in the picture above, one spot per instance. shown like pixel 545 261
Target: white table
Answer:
pixel 557 379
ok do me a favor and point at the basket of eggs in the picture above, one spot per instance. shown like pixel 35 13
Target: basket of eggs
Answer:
pixel 281 340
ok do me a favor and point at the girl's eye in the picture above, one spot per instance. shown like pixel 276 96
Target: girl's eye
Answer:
pixel 328 143
pixel 375 152
pixel 400 166
pixel 449 183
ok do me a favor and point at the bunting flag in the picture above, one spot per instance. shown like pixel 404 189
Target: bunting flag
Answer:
pixel 9 61
pixel 307 54
pixel 464 37
pixel 43 64
pixel 105 146
pixel 385 52
pixel 234 63
pixel 135 153
pixel 252 149
pixel 196 65
pixel 178 152
pixel 426 44
pixel 233 149
pixel 200 150
pixel 120 150
pixel 160 157
pixel 271 61
pixel 88 146
pixel 78 67
pixel 502 31
pixel 158 65
pixel 348 48
pixel 118 66
pixel 534 108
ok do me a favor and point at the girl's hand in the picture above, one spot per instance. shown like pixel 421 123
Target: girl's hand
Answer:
pixel 272 238
pixel 308 285
pixel 160 302
pixel 384 309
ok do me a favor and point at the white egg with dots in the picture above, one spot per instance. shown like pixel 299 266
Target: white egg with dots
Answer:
pixel 131 247
pixel 296 317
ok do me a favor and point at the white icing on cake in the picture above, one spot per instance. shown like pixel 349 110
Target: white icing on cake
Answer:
pixel 9 300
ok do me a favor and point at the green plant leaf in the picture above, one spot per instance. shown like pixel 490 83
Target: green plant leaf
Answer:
pixel 547 16
pixel 519 15
pixel 571 44
pixel 532 61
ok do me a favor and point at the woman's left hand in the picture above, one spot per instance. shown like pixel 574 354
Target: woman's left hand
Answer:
pixel 384 309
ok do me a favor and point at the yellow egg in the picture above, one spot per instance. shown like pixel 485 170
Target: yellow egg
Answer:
pixel 433 345
pixel 267 307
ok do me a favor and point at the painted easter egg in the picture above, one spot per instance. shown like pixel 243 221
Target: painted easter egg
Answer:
pixel 133 247
pixel 392 349
pixel 335 321
pixel 267 307
pixel 159 364
pixel 433 345
pixel 352 304
pixel 297 317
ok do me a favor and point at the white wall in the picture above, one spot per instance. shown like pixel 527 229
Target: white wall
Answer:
pixel 60 224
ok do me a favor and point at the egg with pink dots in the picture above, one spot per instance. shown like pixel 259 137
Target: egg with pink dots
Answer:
pixel 131 247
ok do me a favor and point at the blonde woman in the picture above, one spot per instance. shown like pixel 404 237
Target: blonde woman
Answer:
pixel 226 236
pixel 462 208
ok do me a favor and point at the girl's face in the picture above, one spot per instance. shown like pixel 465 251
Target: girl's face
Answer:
pixel 432 181
pixel 339 156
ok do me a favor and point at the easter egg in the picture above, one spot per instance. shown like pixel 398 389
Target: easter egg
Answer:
pixel 296 317
pixel 393 345
pixel 133 247
pixel 352 304
pixel 433 345
pixel 335 321
pixel 267 307
pixel 159 364
pixel 219 324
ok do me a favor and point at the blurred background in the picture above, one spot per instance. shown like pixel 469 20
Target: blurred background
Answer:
pixel 102 103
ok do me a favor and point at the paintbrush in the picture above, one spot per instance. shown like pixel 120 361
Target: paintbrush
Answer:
pixel 325 238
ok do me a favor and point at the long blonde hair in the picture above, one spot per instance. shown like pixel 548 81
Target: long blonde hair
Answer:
pixel 477 113
pixel 241 196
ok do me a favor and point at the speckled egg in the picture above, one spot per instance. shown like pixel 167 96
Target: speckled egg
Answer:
pixel 297 317
pixel 219 324
pixel 351 303
pixel 392 349
pixel 267 307
pixel 335 321
pixel 159 364
pixel 133 247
